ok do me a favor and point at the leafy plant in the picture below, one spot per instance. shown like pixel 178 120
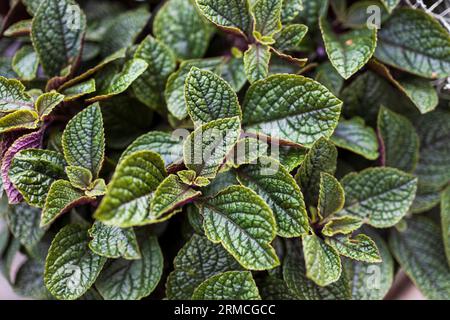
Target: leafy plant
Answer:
pixel 212 149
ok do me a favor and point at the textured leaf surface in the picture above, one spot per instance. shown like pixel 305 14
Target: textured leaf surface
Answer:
pixel 381 196
pixel 267 19
pixel 46 102
pixel 61 197
pixel 167 146
pixel 355 136
pixel 399 140
pixel 13 96
pixel 171 194
pixel 79 177
pixel 290 37
pixel 341 225
pixel 273 183
pixel 29 281
pixel 56 40
pixel 182 29
pixel 83 140
pixel 25 63
pixel 445 221
pixel 128 196
pixel 291 107
pixel 421 254
pixel 244 224
pixel 329 77
pixel 33 171
pixel 256 62
pixel 20 119
pixel 23 221
pixel 209 97
pixel 205 149
pixel 247 151
pixel 275 288
pixel 132 279
pixel 197 261
pixel 291 9
pixel 113 242
pixel 322 261
pixel 331 195
pixel 231 285
pixel 149 87
pixel 74 92
pixel 71 268
pixel 360 247
pixel 413 41
pixel 234 73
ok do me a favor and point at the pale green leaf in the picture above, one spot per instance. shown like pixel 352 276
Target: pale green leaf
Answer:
pixel 290 10
pixel 20 119
pixel 79 177
pixel 267 19
pixel 341 225
pixel 290 37
pixel 359 247
pixel 25 63
pixel 46 102
pixel 256 62
pixel 23 221
pixel 78 90
pixel 13 96
pixel 247 151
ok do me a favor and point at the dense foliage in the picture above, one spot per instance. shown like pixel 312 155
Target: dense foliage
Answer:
pixel 216 149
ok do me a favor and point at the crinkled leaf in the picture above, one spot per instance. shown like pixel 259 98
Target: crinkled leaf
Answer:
pixel 322 261
pixel 71 268
pixel 275 288
pixel 331 195
pixel 231 285
pixel 341 225
pixel 290 37
pixel 380 196
pixel 329 77
pixel 267 19
pixel 20 119
pixel 247 151
pixel 60 199
pixel 239 219
pixel 205 149
pixel 23 221
pixel 133 279
pixel 46 102
pixel 79 177
pixel 78 90
pixel 420 252
pixel 128 196
pixel 25 63
pixel 13 96
pixel 291 107
pixel 273 183
pixel 413 41
pixel 256 62
pixel 96 188
pixel 290 157
pixel 445 221
pixel 149 87
pixel 355 136
pixel 197 261
pixel 290 10
pixel 33 171
pixel 18 29
pixel 182 29
pixel 400 142
pixel 360 247
pixel 57 33
pixel 83 140
pixel 350 51
pixel 233 72
pixel 209 97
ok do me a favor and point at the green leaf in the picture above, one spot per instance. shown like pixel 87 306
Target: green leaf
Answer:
pixel 61 198
pixel 79 177
pixel 29 280
pixel 19 29
pixel 71 268
pixel 128 196
pixel 197 261
pixel 355 136
pixel 321 157
pixel 433 168
pixel 20 119
pixel 311 12
pixel 96 188
pixel 78 90
pixel 170 195
pixel 113 242
pixel 46 102
pixel 25 63
pixel 167 146
pixel 13 96
pixel 239 219
pixel 329 77
pixel 247 151
pixel 233 72
pixel 445 221
pixel 273 183
pixel 23 221
pixel 421 92
pixel 231 285
pixel 413 41
pixel 205 149
pixel 294 273
pixel 174 92
pixel 182 29
pixel 57 33
pixel 350 51
pixel 33 171
pixel 290 10
pixel 380 196
pixel 290 157
pixel 360 247
pixel 133 279
pixel 361 14
pixel 322 261
pixel 399 139
pixel 390 4
pixel 341 225
pixel 331 195
pixel 371 281
pixel 232 16
pixel 256 62
pixel 420 252
pixel 267 19
pixel 123 30
pixel 220 182
pixel 290 37
pixel 149 87
pixel 112 83
pixel 83 140
pixel 283 106
pixel 202 90
pixel 275 288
